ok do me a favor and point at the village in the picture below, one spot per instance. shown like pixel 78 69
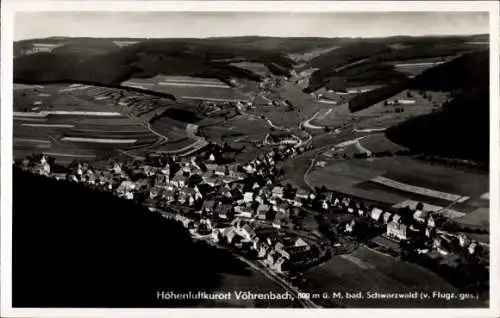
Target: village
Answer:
pixel 249 209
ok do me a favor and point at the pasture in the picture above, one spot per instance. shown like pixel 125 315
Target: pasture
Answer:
pixel 367 271
pixel 380 115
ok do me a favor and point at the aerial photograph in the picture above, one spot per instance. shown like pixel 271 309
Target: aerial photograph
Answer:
pixel 251 160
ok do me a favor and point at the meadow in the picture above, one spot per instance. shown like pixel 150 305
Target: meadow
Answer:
pixel 368 271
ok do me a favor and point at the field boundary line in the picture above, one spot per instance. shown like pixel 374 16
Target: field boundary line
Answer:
pixel 418 190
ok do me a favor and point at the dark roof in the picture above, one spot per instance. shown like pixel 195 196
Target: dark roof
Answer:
pixel 385 242
pixel 209 204
pixel 224 208
pixel 205 188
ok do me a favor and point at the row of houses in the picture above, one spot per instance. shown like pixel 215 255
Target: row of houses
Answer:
pixel 275 251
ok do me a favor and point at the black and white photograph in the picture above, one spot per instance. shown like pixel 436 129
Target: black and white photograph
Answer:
pixel 230 158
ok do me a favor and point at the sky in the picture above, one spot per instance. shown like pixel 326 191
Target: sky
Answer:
pixel 208 24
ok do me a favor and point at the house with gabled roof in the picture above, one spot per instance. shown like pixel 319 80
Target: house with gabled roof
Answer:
pixel 248 232
pixel 386 217
pixel 277 192
pixel 301 194
pixel 220 171
pixel 243 211
pixel 224 210
pixel 248 196
pixel 208 206
pixel 376 213
pixel 262 210
pixel 178 180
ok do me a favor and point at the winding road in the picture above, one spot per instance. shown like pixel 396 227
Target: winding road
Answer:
pixel 258 266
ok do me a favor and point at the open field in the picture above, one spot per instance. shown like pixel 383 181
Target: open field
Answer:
pixel 417 66
pixel 239 129
pixel 99 121
pixel 188 88
pixel 411 171
pixel 257 68
pixel 371 144
pixel 477 218
pixel 395 180
pixel 367 271
pixel 380 115
pixel 305 106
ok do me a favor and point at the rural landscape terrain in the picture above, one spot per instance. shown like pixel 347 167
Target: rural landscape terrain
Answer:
pixel 338 172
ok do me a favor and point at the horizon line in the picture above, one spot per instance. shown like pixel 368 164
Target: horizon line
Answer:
pixel 260 36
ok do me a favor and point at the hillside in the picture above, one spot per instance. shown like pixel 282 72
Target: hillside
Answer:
pixel 147 59
pixel 369 61
pixel 346 54
pixel 365 73
pixel 76 247
pixel 459 130
pixel 465 73
pixel 462 75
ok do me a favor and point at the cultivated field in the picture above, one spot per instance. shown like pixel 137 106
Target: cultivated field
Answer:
pixel 81 121
pixel 188 88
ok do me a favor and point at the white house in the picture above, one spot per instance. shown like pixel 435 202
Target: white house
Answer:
pixel 248 197
pixel 277 192
pixel 376 213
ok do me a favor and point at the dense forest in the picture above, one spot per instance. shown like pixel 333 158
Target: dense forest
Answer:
pixel 146 59
pixel 77 247
pixel 459 130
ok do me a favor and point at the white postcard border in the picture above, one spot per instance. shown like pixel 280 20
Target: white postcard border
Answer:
pixel 9 7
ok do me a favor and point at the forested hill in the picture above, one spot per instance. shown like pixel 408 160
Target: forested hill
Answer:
pixel 147 59
pixel 459 130
pixel 466 73
pixel 75 247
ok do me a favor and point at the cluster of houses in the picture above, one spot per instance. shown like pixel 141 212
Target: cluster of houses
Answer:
pixel 249 193
pixel 275 251
pixel 221 190
pixel 406 224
